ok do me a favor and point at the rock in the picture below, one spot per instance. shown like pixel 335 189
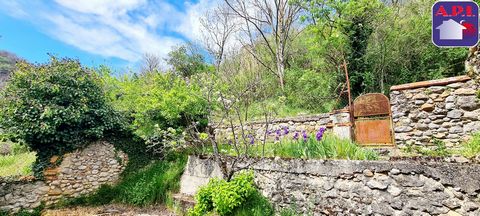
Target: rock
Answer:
pixel 451 203
pixel 475 115
pixel 450 99
pixel 427 107
pixel 455 114
pixel 455 85
pixel 403 129
pixel 449 106
pixel 468 103
pixel 452 213
pixel 394 191
pixel 459 159
pixel 436 89
pixel 374 184
pixel 422 127
pixel 419 102
pixel 420 96
pixel 465 91
pixel 440 135
pixel 367 173
pixel 471 127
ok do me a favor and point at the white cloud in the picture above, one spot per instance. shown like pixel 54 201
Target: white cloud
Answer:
pixel 124 29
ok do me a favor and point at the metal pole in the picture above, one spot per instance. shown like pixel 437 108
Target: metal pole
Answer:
pixel 350 106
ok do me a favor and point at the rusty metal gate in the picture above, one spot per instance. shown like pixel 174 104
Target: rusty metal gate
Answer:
pixel 373 120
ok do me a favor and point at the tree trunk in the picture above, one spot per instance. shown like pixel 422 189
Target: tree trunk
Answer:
pixel 280 66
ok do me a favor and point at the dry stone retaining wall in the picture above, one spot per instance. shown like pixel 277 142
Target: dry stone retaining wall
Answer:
pixel 340 187
pixel 338 122
pixel 446 109
pixel 79 172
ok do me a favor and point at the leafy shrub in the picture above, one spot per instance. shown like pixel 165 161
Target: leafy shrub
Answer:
pixel 55 107
pixel 224 197
pixel 155 102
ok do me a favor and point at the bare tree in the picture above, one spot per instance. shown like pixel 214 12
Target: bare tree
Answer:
pixel 150 62
pixel 219 29
pixel 269 23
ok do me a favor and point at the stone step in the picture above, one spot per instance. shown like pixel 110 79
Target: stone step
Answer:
pixel 185 202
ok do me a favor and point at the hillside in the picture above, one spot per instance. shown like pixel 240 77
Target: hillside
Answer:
pixel 7 65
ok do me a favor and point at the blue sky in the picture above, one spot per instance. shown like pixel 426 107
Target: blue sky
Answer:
pixel 112 32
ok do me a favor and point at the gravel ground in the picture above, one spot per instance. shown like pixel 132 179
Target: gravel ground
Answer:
pixel 108 210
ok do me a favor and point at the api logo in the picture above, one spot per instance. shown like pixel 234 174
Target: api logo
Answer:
pixel 455 23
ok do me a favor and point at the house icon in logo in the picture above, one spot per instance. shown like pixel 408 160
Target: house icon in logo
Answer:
pixel 451 30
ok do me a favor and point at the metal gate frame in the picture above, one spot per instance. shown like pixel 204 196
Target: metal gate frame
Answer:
pixel 373 121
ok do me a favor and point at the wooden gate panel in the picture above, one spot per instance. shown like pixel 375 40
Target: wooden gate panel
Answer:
pixel 373 121
pixel 376 132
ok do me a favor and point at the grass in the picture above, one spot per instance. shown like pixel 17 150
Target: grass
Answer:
pixel 468 149
pixel 472 147
pixel 330 147
pixel 256 205
pixel 18 162
pixel 153 184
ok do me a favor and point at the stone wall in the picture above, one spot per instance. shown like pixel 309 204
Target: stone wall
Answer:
pixel 79 172
pixel 340 187
pixel 446 109
pixel 338 122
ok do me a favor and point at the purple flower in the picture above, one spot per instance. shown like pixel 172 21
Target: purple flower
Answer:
pixel 285 130
pixel 305 136
pixel 269 132
pixel 252 139
pixel 320 133
pixel 295 136
pixel 278 132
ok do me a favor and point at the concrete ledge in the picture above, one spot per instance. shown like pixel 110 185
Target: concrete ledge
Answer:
pixel 439 82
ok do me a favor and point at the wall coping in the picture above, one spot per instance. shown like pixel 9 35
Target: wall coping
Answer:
pixel 438 82
pixel 300 118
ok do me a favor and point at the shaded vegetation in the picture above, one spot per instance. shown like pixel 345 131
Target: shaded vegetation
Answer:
pixel 153 184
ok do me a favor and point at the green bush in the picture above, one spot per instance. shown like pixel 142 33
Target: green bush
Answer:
pixel 227 198
pixel 55 107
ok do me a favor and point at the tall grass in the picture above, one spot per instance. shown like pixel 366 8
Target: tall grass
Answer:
pixel 472 147
pixel 152 184
pixel 329 147
pixel 18 161
pixel 17 165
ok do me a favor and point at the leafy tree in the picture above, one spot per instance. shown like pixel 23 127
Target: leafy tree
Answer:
pixel 384 44
pixel 186 61
pixel 55 107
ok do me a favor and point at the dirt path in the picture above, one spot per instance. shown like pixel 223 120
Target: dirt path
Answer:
pixel 108 210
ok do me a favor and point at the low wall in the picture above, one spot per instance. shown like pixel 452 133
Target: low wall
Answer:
pixel 79 172
pixel 446 109
pixel 340 187
pixel 338 122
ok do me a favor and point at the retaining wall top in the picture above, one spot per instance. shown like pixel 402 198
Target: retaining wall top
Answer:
pixel 438 82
